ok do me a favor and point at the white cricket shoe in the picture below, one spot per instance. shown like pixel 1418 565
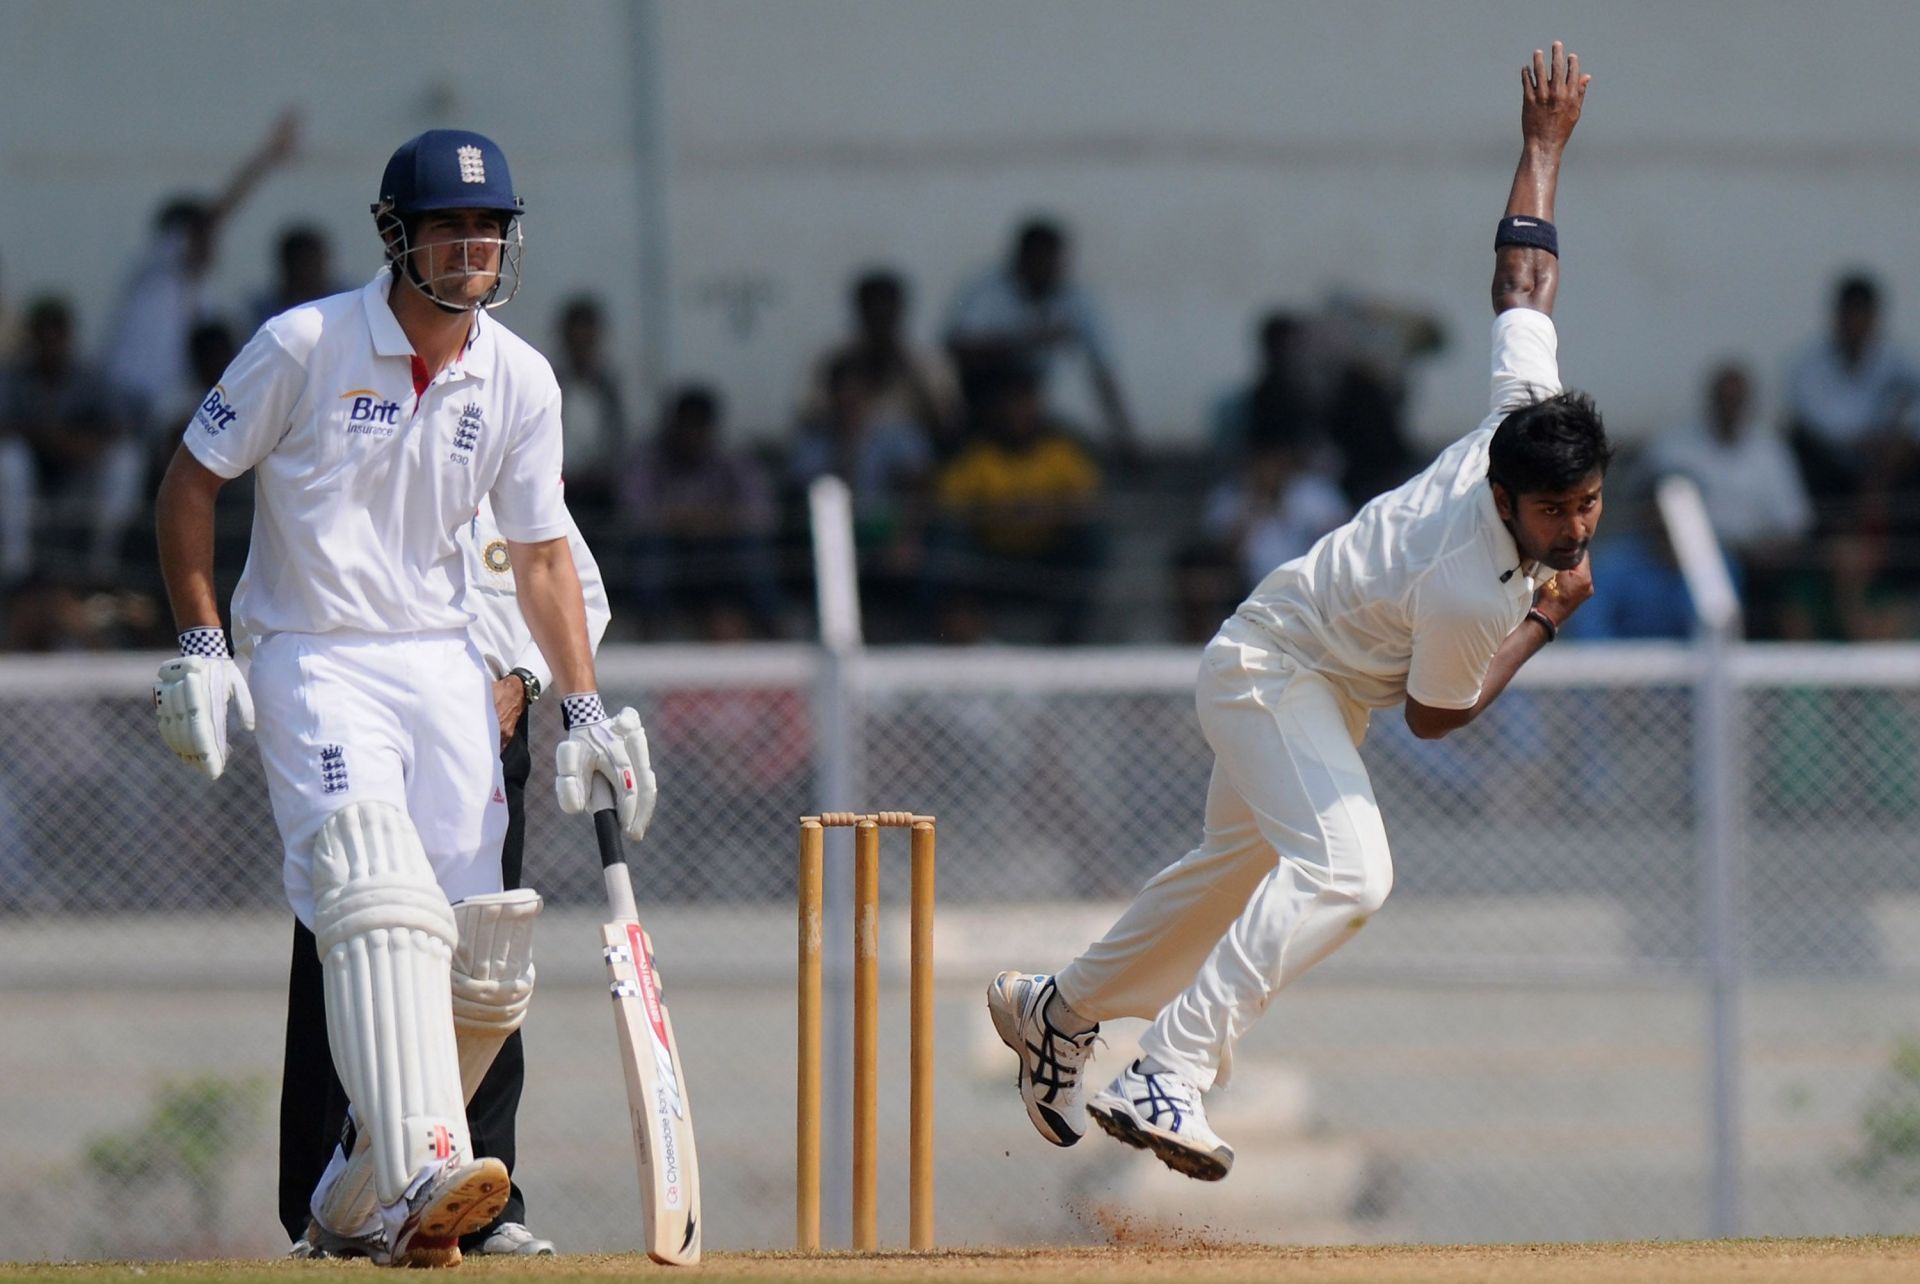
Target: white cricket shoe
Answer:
pixel 1050 1060
pixel 456 1197
pixel 1161 1112
pixel 512 1239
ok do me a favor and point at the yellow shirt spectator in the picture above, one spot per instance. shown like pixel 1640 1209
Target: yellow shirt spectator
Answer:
pixel 1016 500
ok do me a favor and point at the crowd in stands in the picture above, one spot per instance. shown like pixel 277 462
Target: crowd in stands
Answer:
pixel 981 512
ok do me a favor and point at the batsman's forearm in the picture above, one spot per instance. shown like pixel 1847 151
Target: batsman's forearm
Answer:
pixel 548 587
pixel 183 522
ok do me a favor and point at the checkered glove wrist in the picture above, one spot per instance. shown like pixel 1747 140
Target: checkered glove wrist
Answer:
pixel 207 642
pixel 581 708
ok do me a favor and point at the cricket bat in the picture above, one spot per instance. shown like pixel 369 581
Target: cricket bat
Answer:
pixel 662 1115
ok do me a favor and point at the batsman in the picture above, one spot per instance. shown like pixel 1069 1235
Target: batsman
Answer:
pixel 375 423
pixel 1430 599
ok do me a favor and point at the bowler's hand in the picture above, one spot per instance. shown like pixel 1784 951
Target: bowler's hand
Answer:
pixel 1552 92
pixel 1562 595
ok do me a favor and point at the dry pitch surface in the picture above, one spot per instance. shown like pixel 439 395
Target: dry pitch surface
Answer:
pixel 1866 1261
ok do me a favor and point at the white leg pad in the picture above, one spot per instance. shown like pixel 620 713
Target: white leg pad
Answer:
pixel 386 936
pixel 492 986
pixel 492 977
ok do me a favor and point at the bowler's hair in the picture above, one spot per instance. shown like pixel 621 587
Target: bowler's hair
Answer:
pixel 1549 445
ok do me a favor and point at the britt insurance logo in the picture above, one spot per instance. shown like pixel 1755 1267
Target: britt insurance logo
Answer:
pixel 216 413
pixel 369 416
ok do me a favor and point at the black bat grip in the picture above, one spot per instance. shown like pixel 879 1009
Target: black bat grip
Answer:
pixel 606 827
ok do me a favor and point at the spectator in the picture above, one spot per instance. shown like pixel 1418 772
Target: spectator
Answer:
pixel 594 426
pixel 1280 405
pixel 1752 488
pixel 1017 521
pixel 886 463
pixel 906 383
pixel 69 471
pixel 701 524
pixel 1371 346
pixel 1272 512
pixel 1020 318
pixel 146 349
pixel 9 339
pixel 1269 508
pixel 1848 396
pixel 305 273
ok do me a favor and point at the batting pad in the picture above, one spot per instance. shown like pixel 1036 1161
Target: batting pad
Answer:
pixel 492 977
pixel 386 936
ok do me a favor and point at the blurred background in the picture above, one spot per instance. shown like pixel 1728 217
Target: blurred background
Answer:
pixel 1101 309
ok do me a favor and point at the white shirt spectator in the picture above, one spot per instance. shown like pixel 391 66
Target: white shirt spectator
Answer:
pixel 995 306
pixel 1265 535
pixel 1841 404
pixel 1751 484
pixel 1416 593
pixel 146 351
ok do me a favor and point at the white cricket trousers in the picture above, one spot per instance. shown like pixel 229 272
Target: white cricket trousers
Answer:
pixel 405 719
pixel 1293 862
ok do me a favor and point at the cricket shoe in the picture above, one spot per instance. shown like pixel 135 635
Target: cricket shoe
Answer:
pixel 322 1244
pixel 1160 1111
pixel 1050 1059
pixel 511 1239
pixel 445 1201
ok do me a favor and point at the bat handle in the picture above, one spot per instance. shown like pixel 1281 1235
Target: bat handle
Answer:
pixel 613 852
pixel 606 822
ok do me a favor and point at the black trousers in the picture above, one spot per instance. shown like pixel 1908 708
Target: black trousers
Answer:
pixel 313 1105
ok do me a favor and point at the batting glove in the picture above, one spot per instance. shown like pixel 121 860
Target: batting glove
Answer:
pixel 191 699
pixel 610 749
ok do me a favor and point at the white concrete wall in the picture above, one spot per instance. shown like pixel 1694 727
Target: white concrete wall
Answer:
pixel 1214 156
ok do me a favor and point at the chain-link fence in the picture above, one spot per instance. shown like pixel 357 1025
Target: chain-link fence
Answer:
pixel 1521 1047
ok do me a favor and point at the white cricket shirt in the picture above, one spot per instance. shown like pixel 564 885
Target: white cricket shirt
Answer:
pixel 499 630
pixel 1416 593
pixel 361 484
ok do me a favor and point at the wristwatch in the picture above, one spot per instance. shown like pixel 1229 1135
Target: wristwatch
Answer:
pixel 527 680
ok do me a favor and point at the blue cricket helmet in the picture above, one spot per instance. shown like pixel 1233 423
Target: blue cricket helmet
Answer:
pixel 448 169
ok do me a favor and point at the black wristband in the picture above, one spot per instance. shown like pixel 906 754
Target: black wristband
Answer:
pixel 527 680
pixel 1540 617
pixel 582 707
pixel 1524 229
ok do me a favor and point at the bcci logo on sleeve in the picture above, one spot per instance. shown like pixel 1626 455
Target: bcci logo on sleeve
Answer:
pixel 466 434
pixel 369 416
pixel 216 413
